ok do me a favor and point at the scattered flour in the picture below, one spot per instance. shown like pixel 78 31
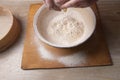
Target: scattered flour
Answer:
pixel 45 53
pixel 73 60
pixel 70 60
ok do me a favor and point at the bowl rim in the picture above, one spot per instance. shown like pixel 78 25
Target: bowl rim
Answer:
pixel 56 45
pixel 12 19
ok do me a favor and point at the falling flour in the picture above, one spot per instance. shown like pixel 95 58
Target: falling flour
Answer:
pixel 72 60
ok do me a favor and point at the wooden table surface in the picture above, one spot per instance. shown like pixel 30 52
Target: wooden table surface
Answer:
pixel 10 60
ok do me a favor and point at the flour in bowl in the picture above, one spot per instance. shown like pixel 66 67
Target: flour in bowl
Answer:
pixel 65 29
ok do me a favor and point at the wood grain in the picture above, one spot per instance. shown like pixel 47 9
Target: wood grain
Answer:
pixel 95 48
pixel 10 60
pixel 11 36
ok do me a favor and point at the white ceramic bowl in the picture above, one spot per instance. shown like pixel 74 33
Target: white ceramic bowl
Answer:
pixel 44 15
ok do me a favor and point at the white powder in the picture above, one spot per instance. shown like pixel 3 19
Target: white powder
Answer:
pixel 73 60
pixel 69 61
pixel 45 54
pixel 65 30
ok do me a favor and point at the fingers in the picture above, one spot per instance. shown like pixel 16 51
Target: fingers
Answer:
pixel 44 1
pixel 56 8
pixel 54 4
pixel 70 3
pixel 82 4
pixel 60 2
pixel 49 3
pixel 78 3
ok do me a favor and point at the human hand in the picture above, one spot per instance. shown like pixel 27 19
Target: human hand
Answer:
pixel 61 4
pixel 53 4
pixel 77 3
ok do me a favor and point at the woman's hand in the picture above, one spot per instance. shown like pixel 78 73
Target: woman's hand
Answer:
pixel 54 4
pixel 61 4
pixel 77 3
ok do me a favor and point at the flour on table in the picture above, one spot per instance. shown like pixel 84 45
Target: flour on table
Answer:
pixel 72 60
pixel 45 53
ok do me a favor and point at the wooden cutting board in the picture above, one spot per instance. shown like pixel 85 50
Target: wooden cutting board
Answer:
pixel 95 49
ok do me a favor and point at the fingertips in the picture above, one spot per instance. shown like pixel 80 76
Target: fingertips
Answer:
pixel 70 3
pixel 56 8
pixel 49 3
pixel 78 3
pixel 44 1
pixel 60 2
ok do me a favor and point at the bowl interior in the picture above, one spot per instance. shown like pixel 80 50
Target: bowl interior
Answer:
pixel 6 21
pixel 44 16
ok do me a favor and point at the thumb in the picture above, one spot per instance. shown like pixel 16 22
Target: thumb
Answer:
pixel 70 3
pixel 49 3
